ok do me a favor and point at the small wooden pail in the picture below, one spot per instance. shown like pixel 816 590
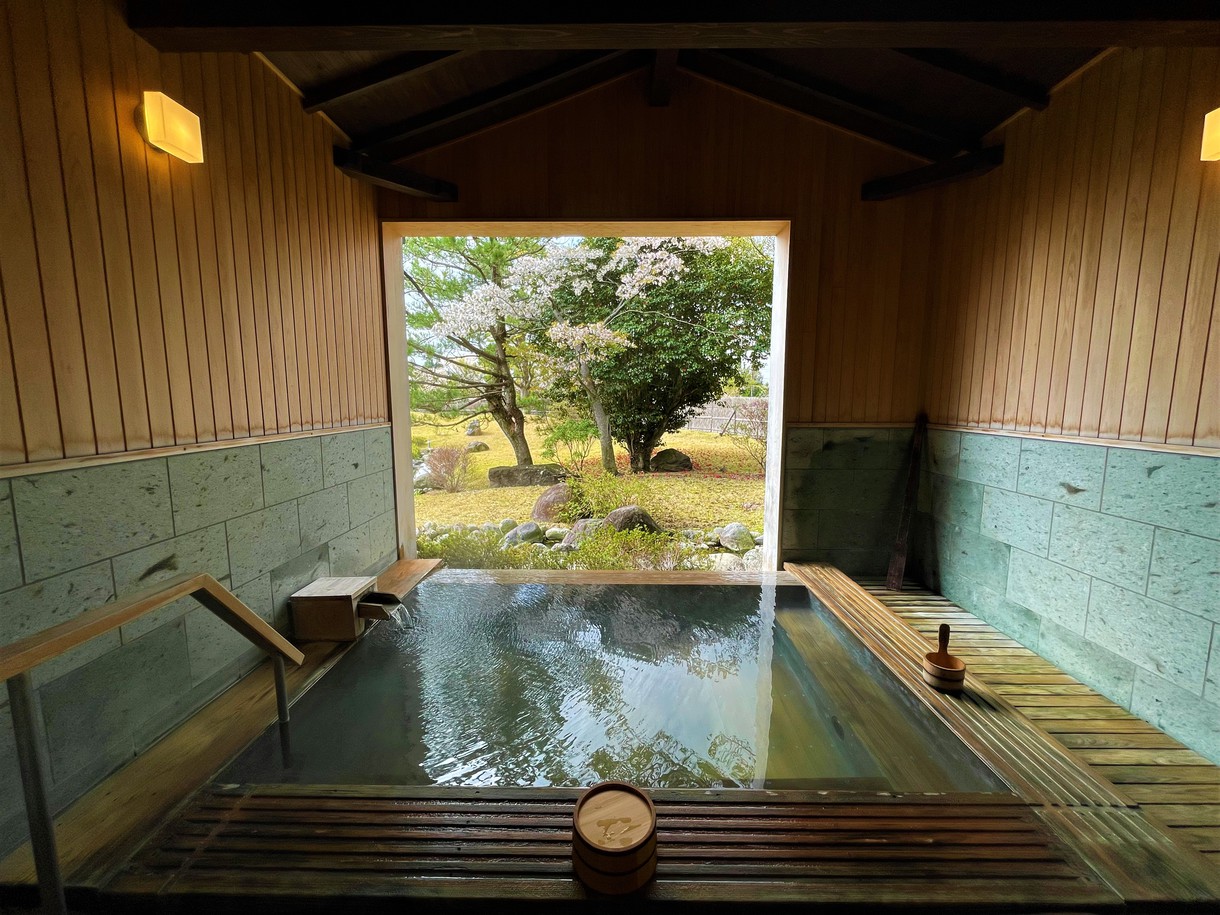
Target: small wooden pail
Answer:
pixel 614 838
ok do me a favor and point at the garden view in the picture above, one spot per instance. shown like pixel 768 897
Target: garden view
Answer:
pixel 589 403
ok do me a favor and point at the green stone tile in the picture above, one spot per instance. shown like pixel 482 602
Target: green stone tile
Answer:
pixel 293 575
pixel 1020 521
pixel 1211 688
pixel 965 554
pixel 72 518
pixel 1088 662
pixel 352 553
pixel 944 448
pixel 1049 589
pixel 800 530
pixel 343 457
pixel 1159 638
pixel 378 449
pixel 10 555
pixel 366 497
pixel 1186 717
pixel 262 541
pixel 841 530
pixel 1062 472
pixel 212 644
pixel 866 489
pixel 213 486
pixel 957 502
pixel 1109 548
pixel 1013 620
pixel 803 444
pixel 291 469
pixel 324 515
pixel 383 532
pixel 47 603
pixel 93 711
pixel 853 562
pixel 1185 572
pixel 990 459
pixel 205 550
pixel 1177 491
pixel 842 448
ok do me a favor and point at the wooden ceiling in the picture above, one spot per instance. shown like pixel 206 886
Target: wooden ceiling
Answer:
pixel 928 78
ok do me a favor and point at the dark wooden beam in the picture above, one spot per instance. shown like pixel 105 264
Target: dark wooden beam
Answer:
pixel 1025 91
pixel 243 25
pixel 970 165
pixel 498 104
pixel 395 177
pixel 773 83
pixel 347 87
pixel 661 80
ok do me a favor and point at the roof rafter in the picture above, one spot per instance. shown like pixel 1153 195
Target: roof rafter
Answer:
pixel 970 165
pixel 395 177
pixel 518 96
pixel 413 63
pixel 1025 91
pixel 774 83
pixel 661 78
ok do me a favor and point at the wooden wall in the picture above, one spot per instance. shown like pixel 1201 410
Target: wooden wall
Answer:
pixel 147 302
pixel 856 286
pixel 1074 290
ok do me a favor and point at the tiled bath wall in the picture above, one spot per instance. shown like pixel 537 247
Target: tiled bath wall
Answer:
pixel 264 519
pixel 1103 559
pixel 843 489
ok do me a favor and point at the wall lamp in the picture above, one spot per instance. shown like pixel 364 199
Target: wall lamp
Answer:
pixel 1211 137
pixel 170 127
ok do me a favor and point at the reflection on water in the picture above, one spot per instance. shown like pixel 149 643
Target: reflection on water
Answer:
pixel 664 686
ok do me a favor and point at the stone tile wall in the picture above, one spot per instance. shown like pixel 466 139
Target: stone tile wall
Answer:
pixel 1105 560
pixel 263 519
pixel 843 489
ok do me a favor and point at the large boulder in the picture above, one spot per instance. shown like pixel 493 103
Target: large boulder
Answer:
pixel 474 427
pixel 736 537
pixel 529 532
pixel 526 475
pixel 551 503
pixel 632 518
pixel 477 446
pixel 580 530
pixel 752 560
pixel 670 460
pixel 422 478
pixel 726 562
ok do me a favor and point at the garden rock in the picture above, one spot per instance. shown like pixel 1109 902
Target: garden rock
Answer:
pixel 507 525
pixel 551 503
pixel 752 560
pixel 736 537
pixel 632 518
pixel 422 478
pixel 526 475
pixel 474 427
pixel 556 534
pixel 726 562
pixel 529 532
pixel 758 539
pixel 580 530
pixel 670 460
pixel 472 447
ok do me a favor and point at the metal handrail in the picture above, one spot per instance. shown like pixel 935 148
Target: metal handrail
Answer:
pixel 19 658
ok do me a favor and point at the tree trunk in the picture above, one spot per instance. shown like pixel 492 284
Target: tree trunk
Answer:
pixel 506 412
pixel 600 419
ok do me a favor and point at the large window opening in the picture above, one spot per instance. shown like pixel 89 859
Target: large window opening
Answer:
pixel 588 396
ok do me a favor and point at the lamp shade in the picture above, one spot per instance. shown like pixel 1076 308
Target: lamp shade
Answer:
pixel 1211 137
pixel 171 127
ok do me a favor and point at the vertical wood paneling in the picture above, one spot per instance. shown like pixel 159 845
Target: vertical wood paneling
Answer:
pixel 1114 232
pixel 147 302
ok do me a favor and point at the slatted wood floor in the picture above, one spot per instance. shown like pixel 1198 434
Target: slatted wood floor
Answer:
pixel 1170 781
pixel 295 845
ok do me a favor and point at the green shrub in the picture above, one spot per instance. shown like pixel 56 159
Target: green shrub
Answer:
pixel 464 549
pixel 605 548
pixel 598 494
pixel 568 442
pixel 418 444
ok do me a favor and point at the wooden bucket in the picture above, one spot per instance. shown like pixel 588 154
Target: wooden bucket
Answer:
pixel 614 838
